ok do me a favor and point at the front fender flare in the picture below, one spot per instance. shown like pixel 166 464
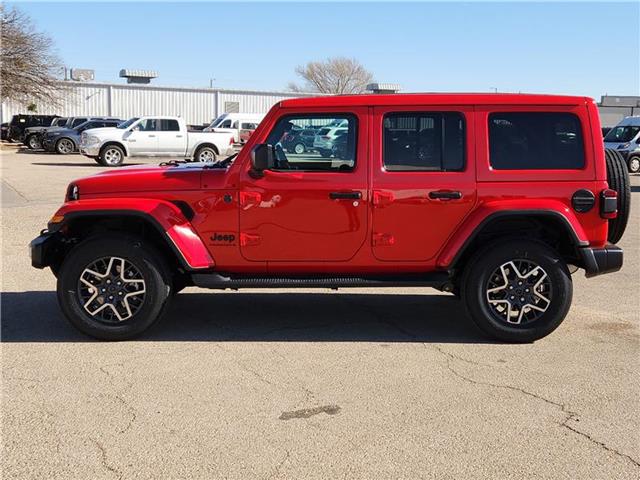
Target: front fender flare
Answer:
pixel 487 212
pixel 166 217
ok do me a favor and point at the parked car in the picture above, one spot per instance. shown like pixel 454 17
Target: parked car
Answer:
pixel 153 137
pixel 19 123
pixel 4 131
pixel 327 135
pixel 33 135
pixel 625 138
pixel 67 140
pixel 299 140
pixel 494 198
pixel 236 123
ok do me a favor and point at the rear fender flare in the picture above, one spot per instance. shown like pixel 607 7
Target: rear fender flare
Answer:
pixel 167 218
pixel 473 225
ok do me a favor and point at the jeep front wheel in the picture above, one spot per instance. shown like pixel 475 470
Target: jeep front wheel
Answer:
pixel 517 291
pixel 113 287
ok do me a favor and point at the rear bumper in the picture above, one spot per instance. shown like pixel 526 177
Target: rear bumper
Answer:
pixel 598 261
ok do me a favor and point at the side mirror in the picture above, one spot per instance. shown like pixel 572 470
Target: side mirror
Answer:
pixel 262 157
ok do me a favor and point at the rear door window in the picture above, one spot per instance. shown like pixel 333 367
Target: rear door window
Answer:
pixel 535 141
pixel 424 141
pixel 169 125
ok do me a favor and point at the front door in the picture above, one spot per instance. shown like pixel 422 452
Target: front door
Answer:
pixel 310 207
pixel 423 179
pixel 142 139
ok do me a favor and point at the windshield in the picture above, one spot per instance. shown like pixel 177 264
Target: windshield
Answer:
pixel 128 123
pixel 85 126
pixel 217 121
pixel 622 134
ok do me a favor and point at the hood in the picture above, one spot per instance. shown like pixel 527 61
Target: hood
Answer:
pixel 145 178
pixel 98 131
pixel 60 131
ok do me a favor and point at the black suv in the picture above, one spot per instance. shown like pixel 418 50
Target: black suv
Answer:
pixel 19 123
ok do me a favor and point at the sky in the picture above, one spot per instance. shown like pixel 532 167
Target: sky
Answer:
pixel 569 48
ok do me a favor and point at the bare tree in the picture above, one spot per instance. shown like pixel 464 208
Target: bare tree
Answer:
pixel 28 66
pixel 334 75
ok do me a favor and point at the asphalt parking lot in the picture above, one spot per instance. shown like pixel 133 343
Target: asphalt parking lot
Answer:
pixel 358 384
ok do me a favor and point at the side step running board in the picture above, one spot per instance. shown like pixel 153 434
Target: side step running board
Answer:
pixel 439 280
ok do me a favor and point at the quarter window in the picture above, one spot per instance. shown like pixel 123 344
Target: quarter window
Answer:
pixel 424 141
pixel 328 143
pixel 535 140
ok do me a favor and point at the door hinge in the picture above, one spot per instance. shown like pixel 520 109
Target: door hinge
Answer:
pixel 248 239
pixel 382 199
pixel 383 239
pixel 250 199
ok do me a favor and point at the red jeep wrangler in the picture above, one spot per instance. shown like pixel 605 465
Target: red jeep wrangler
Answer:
pixel 494 198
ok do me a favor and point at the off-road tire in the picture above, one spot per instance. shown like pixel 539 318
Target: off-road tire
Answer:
pixel 618 180
pixel 484 264
pixel 111 156
pixel 634 163
pixel 152 267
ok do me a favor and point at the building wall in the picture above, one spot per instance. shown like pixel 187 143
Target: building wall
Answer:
pixel 195 105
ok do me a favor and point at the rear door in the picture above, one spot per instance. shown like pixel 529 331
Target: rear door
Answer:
pixel 309 207
pixel 423 178
pixel 171 141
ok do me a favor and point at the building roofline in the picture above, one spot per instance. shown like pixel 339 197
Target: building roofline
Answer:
pixel 138 86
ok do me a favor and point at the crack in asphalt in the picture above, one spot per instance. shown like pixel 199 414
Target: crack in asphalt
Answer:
pixel 103 459
pixel 570 415
pixel 276 470
pixel 118 396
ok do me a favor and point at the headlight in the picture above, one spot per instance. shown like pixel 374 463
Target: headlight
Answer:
pixel 623 146
pixel 73 192
pixel 90 140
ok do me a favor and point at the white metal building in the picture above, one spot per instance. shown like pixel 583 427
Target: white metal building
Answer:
pixel 195 105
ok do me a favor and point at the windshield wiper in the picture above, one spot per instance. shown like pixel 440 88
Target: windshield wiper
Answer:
pixel 172 163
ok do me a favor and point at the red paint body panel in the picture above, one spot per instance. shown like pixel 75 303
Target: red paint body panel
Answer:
pixel 167 215
pixel 285 222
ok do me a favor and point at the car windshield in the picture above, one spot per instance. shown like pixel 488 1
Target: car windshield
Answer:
pixel 217 121
pixel 128 123
pixel 84 126
pixel 622 134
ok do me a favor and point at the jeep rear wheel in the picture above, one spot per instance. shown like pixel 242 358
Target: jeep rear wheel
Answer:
pixel 618 180
pixel 517 291
pixel 113 287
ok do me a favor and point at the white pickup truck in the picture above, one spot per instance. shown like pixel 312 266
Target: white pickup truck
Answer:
pixel 153 137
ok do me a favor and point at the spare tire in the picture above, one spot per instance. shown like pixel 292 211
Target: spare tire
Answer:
pixel 618 179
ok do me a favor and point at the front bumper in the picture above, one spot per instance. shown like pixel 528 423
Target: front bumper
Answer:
pixel 90 150
pixel 44 249
pixel 598 261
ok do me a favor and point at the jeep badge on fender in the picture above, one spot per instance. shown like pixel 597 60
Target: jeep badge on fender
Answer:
pixel 493 198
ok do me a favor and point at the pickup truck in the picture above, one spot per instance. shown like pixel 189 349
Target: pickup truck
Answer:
pixel 494 198
pixel 153 137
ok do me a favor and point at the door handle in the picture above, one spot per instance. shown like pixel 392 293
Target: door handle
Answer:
pixel 178 136
pixel 151 136
pixel 345 195
pixel 445 195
